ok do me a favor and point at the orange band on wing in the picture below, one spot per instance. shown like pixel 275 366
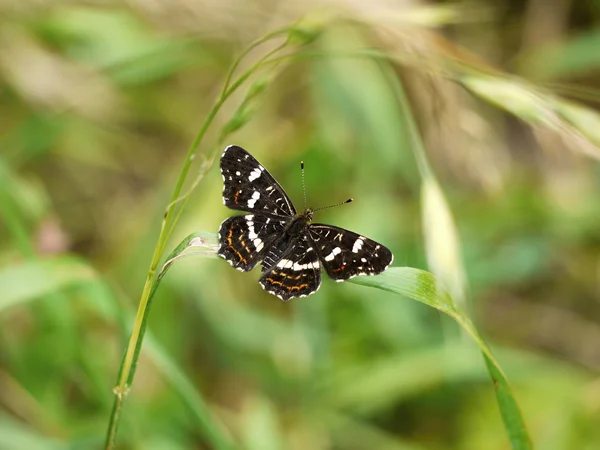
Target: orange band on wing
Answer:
pixel 233 248
pixel 289 288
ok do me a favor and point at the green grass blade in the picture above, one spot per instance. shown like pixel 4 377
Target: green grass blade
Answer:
pixel 423 287
pixel 511 414
pixel 212 429
pixel 31 279
pixel 14 434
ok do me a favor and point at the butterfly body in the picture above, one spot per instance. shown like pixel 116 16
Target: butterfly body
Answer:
pixel 290 247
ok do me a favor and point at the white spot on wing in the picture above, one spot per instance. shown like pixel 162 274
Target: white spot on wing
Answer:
pixel 238 173
pixel 357 245
pixel 254 174
pixel 251 233
pixel 252 201
pixel 335 251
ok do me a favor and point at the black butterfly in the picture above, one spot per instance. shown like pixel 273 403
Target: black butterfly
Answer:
pixel 291 248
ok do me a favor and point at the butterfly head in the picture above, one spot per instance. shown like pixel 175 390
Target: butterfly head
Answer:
pixel 300 222
pixel 307 215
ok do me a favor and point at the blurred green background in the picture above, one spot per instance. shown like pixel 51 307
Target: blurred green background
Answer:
pixel 99 101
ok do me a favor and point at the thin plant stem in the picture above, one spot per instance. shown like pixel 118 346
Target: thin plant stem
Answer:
pixel 128 365
pixel 248 49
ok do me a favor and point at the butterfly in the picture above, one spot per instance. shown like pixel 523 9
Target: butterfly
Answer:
pixel 293 250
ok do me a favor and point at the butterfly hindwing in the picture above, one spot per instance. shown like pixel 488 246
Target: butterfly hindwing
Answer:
pixel 345 254
pixel 248 186
pixel 296 274
pixel 245 239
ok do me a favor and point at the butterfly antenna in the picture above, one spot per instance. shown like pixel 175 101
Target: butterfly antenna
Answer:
pixel 350 200
pixel 303 184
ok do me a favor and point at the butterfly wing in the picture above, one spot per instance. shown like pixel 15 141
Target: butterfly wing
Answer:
pixel 296 274
pixel 345 254
pixel 244 240
pixel 248 186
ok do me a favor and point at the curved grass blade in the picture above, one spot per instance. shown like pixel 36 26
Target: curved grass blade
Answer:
pixel 423 287
pixel 36 278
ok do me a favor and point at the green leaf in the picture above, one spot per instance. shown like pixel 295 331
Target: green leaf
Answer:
pixel 422 286
pixel 31 279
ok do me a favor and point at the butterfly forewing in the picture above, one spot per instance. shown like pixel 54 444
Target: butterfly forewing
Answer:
pixel 248 186
pixel 296 274
pixel 244 240
pixel 345 254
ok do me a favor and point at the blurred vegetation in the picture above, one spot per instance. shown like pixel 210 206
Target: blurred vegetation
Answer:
pixel 99 102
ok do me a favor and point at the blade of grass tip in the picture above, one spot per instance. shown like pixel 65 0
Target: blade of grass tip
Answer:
pixel 509 409
pixel 423 287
